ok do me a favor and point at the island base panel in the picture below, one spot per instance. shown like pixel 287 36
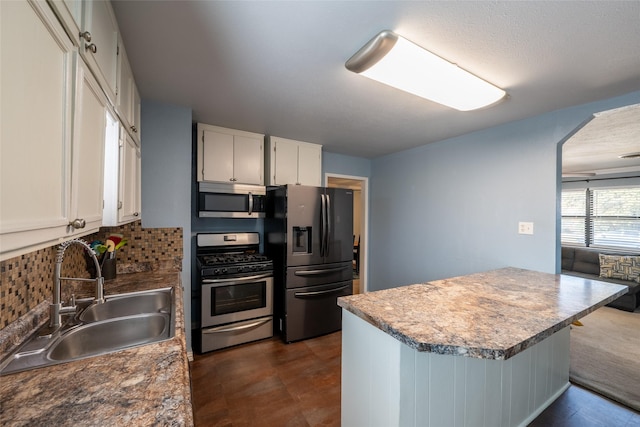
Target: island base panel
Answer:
pixel 387 383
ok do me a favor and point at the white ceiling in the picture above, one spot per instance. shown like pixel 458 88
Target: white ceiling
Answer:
pixel 596 148
pixel 277 67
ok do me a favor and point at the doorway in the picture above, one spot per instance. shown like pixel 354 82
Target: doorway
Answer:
pixel 360 187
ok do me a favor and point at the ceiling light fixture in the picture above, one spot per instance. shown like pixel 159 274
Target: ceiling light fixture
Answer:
pixel 630 156
pixel 397 62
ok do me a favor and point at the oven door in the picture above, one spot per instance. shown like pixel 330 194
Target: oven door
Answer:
pixel 236 299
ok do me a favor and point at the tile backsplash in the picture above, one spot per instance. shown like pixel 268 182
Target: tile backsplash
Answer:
pixel 27 280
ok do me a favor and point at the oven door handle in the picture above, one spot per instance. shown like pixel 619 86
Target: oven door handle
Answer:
pixel 238 279
pixel 319 293
pixel 304 273
pixel 222 329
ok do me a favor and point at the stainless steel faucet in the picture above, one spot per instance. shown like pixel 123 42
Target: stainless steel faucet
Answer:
pixel 56 310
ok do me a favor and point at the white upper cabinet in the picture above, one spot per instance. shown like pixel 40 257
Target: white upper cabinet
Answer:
pixel 122 190
pixel 70 14
pixel 128 106
pixel 35 125
pixel 52 131
pixel 293 162
pixel 122 176
pixel 99 43
pixel 130 161
pixel 92 26
pixel 88 153
pixel 228 155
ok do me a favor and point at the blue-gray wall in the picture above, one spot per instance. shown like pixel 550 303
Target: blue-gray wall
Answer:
pixel 440 210
pixel 453 207
pixel 166 180
pixel 345 165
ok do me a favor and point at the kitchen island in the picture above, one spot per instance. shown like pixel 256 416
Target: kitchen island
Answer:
pixel 141 386
pixel 486 349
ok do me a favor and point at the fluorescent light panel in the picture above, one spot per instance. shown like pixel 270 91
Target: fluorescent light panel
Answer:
pixel 397 62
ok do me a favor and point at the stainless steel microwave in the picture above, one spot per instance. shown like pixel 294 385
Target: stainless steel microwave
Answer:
pixel 231 200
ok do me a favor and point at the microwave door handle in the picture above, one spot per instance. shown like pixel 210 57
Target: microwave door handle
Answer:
pixel 250 203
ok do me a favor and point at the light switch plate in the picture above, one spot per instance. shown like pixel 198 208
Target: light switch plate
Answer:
pixel 525 228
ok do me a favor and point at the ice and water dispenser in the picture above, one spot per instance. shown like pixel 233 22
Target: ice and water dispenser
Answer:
pixel 302 240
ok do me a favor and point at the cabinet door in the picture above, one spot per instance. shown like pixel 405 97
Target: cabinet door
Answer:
pixel 135 114
pixel 128 106
pixel 70 14
pixel 125 89
pixel 101 52
pixel 310 164
pixel 90 120
pixel 285 154
pixel 248 160
pixel 130 161
pixel 217 156
pixel 35 125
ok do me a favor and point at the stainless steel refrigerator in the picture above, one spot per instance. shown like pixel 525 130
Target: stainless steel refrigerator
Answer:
pixel 309 235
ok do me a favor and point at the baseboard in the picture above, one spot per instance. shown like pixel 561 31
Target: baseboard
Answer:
pixel 545 405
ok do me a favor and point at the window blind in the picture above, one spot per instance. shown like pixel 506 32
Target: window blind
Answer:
pixel 602 217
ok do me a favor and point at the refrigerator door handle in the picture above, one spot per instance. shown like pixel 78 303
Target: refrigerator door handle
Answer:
pixel 328 236
pixel 319 293
pixel 323 224
pixel 305 273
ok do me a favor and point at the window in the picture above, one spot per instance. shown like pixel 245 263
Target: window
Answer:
pixel 604 217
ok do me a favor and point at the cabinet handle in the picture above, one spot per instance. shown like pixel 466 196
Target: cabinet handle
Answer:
pixel 78 223
pixel 136 214
pixel 92 47
pixel 86 35
pixel 134 129
pixel 232 179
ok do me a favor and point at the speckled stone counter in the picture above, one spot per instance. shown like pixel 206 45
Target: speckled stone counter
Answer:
pixel 403 347
pixel 142 386
pixel 491 315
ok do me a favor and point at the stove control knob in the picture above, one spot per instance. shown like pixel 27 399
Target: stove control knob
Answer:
pixel 223 270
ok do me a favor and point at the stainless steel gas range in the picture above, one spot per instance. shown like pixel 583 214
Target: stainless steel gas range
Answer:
pixel 236 283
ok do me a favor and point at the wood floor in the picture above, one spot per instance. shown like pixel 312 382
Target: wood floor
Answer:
pixel 272 384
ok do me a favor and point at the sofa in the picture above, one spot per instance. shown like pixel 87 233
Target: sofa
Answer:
pixel 586 262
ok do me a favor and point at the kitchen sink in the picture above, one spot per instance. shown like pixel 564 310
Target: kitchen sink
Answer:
pixel 128 305
pixel 105 336
pixel 123 321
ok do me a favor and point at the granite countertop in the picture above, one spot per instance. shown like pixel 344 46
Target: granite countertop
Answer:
pixel 148 385
pixel 491 315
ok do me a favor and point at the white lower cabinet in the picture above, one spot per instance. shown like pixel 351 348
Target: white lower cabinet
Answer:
pixel 52 133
